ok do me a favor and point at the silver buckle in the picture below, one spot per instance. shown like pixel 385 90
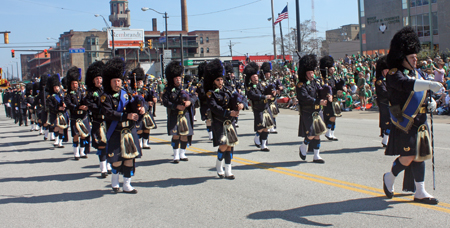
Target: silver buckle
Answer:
pixel 125 124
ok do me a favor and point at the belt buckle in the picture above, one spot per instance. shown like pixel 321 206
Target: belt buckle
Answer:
pixel 125 124
pixel 422 110
pixel 79 112
pixel 317 107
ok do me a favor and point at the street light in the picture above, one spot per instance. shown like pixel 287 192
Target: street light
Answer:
pixel 112 33
pixel 165 17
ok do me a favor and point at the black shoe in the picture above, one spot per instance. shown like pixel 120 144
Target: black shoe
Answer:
pixel 104 175
pixel 85 156
pixel 236 125
pixel 427 200
pixel 77 158
pixel 60 146
pixel 221 176
pixel 321 161
pixel 184 159
pixel 331 138
pixel 154 115
pixel 384 145
pixel 176 161
pixel 116 190
pixel 303 157
pixel 145 147
pixel 230 177
pixel 109 172
pixel 259 146
pixel 265 149
pixel 389 194
pixel 134 191
pixel 45 138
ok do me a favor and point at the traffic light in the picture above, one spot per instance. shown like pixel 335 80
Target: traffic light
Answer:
pixel 12 53
pixel 6 36
pixel 45 53
pixel 149 42
pixel 141 46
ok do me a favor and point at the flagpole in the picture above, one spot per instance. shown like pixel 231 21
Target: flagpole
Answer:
pixel 273 31
pixel 289 28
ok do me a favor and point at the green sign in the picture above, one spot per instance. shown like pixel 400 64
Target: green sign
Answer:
pixel 188 62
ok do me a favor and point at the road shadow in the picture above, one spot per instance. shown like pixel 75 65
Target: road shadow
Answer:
pixel 18 143
pixel 300 214
pixel 174 182
pixel 29 149
pixel 153 162
pixel 57 198
pixel 44 160
pixel 268 165
pixel 57 177
pixel 352 150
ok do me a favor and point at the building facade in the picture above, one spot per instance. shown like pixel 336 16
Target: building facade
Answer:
pixel 381 19
pixel 342 35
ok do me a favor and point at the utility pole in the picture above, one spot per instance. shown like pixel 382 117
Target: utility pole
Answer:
pixel 231 50
pixel 299 42
pixel 282 42
pixel 273 31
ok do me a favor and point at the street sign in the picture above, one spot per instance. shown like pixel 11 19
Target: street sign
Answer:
pixel 76 50
pixel 167 54
pixel 162 39
pixel 188 62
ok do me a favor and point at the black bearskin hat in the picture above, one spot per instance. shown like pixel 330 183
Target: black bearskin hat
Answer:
pixel 36 87
pixel 249 70
pixel 53 81
pixel 325 62
pixel 64 82
pixel 93 71
pixel 229 68
pixel 307 63
pixel 201 69
pixel 381 65
pixel 405 42
pixel 213 70
pixel 114 68
pixel 73 74
pixel 28 88
pixel 266 67
pixel 43 82
pixel 140 76
pixel 173 69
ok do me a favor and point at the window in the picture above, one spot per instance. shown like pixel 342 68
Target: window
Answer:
pixel 121 12
pixel 426 24
pixel 425 2
pixel 201 50
pixel 418 2
pixel 362 7
pixel 207 50
pixel 404 4
pixel 201 40
pixel 434 21
pixel 207 39
pixel 419 26
pixel 174 50
pixel 413 3
pixel 405 21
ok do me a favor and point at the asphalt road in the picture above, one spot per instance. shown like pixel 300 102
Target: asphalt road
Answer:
pixel 45 187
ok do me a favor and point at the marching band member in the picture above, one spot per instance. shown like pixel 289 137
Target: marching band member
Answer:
pixel 383 99
pixel 41 107
pixel 332 109
pixel 180 111
pixel 205 113
pixel 94 91
pixel 79 121
pixel 224 105
pixel 271 84
pixel 121 112
pixel 263 119
pixel 56 109
pixel 409 136
pixel 29 101
pixel 311 125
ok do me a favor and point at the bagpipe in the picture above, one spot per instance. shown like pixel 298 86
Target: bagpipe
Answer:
pixel 79 123
pixel 61 121
pixel 128 147
pixel 269 89
pixel 182 124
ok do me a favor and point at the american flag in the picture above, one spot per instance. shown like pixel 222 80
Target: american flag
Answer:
pixel 283 15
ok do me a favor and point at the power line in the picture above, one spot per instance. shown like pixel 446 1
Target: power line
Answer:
pixel 219 11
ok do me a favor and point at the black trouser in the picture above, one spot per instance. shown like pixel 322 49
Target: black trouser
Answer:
pixel 23 116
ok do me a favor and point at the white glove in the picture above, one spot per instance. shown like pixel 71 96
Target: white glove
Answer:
pixel 422 85
pixel 17 108
pixel 431 105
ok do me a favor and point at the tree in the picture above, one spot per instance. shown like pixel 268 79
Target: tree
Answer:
pixel 309 44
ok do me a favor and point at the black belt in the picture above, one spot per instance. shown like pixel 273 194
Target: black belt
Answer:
pixel 98 117
pixel 259 102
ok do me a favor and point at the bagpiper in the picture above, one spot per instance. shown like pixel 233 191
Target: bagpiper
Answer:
pixel 409 102
pixel 271 84
pixel 311 124
pixel 94 91
pixel 180 111
pixel 79 119
pixel 121 112
pixel 263 119
pixel 205 113
pixel 57 109
pixel 383 100
pixel 225 105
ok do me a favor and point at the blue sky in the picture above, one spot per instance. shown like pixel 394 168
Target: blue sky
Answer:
pixel 244 22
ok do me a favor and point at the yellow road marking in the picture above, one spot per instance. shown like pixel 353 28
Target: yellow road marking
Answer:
pixel 319 179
